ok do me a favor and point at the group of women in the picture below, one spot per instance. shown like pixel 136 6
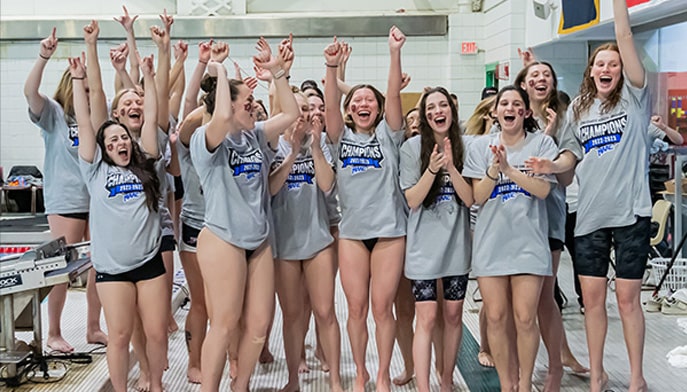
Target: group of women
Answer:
pixel 258 199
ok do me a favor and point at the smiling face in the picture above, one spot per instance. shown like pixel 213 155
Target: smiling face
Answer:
pixel 438 113
pixel 243 109
pixel 412 124
pixel 363 109
pixel 511 112
pixel 606 71
pixel 259 112
pixel 539 82
pixel 316 107
pixel 129 111
pixel 117 145
pixel 303 120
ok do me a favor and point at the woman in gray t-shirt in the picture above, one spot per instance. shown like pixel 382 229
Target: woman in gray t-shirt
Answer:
pixel 439 243
pixel 373 221
pixel 511 251
pixel 300 179
pixel 125 229
pixel 65 193
pixel 232 155
pixel 607 143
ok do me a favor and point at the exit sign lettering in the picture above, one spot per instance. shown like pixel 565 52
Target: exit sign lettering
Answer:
pixel 468 47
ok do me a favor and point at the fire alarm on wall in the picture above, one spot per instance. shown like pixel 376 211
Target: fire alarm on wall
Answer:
pixel 542 8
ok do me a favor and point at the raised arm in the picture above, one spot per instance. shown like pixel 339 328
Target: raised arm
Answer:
pixel 217 127
pixel 162 40
pixel 324 174
pixel 632 64
pixel 87 143
pixel 280 66
pixel 393 112
pixel 279 175
pixel 118 56
pixel 189 124
pixel 674 136
pixel 127 23
pixel 527 56
pixel 332 96
pixel 150 108
pixel 191 99
pixel 177 78
pixel 96 93
pixel 34 98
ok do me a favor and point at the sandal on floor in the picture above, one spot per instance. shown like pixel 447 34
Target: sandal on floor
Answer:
pixel 654 304
pixel 673 306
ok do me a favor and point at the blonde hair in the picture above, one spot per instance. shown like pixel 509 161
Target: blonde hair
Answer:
pixel 476 124
pixel 64 94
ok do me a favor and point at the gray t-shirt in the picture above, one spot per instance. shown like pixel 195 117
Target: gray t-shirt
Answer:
pixel 512 225
pixel 333 211
pixel 655 132
pixel 234 178
pixel 193 204
pixel 64 188
pixel 372 204
pixel 612 150
pixel 439 242
pixel 555 202
pixel 125 234
pixel 299 209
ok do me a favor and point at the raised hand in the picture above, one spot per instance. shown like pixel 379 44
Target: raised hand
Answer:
pixel 263 46
pixel 346 50
pixel 204 51
pixel 396 38
pixel 265 59
pixel 48 45
pixel 159 36
pixel 214 68
pixel 262 74
pixel 551 116
pixel 405 80
pixel 126 21
pixel 118 56
pixel 146 64
pixel 295 137
pixel 220 52
pixel 77 68
pixel 251 82
pixel 333 53
pixel 658 121
pixel 286 52
pixel 90 32
pixel 527 56
pixel 167 21
pixel 180 51
pixel 237 70
pixel 539 165
pixel 436 160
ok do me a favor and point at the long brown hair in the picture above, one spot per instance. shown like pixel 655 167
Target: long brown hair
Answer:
pixel 348 120
pixel 64 94
pixel 142 166
pixel 476 124
pixel 427 142
pixel 551 101
pixel 209 85
pixel 588 91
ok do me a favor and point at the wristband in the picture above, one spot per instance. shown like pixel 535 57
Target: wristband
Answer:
pixel 43 57
pixel 490 177
pixel 203 62
pixel 433 173
pixel 279 74
pixel 73 78
pixel 332 66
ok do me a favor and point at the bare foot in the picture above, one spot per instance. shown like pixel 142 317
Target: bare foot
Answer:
pixel 291 387
pixel 360 381
pixel 553 380
pixel 266 356
pixel 600 384
pixel 143 384
pixel 323 361
pixel 233 368
pixel 403 378
pixel 641 386
pixel 336 388
pixel 193 375
pixel 96 337
pixel 303 367
pixel 57 343
pixel 172 325
pixel 575 367
pixel 485 359
pixel 383 384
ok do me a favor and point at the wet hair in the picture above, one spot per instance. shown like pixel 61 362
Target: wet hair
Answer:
pixel 476 124
pixel 64 94
pixel 530 124
pixel 209 85
pixel 428 141
pixel 142 166
pixel 349 97
pixel 588 90
pixel 551 101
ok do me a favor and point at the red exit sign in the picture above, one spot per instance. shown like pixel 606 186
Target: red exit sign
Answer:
pixel 468 47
